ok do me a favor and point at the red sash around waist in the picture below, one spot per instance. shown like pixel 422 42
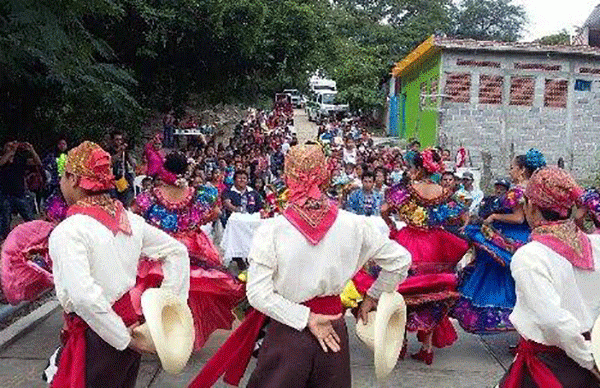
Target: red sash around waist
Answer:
pixel 527 360
pixel 232 358
pixel 71 366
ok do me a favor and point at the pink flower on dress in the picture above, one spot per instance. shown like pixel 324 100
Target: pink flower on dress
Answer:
pixel 143 201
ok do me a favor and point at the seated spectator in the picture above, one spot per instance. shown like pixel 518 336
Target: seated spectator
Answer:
pixel 350 151
pixel 147 184
pixel 492 204
pixel 240 198
pixel 365 201
pixel 448 181
pixel 413 150
pixel 397 174
pixel 473 194
pixel 380 179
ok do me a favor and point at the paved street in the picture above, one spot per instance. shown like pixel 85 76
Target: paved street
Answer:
pixel 472 362
pixel 305 130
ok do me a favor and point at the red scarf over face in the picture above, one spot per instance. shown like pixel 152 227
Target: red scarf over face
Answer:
pixel 309 210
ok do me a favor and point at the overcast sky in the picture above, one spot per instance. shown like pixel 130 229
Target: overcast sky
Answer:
pixel 549 16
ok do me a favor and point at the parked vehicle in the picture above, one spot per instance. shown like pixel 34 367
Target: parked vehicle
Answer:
pixel 295 96
pixel 325 104
pixel 318 85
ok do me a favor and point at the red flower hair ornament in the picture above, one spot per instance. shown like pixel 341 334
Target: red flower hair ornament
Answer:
pixel 429 163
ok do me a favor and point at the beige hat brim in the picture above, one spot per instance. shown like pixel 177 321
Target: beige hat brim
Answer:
pixel 171 327
pixel 385 332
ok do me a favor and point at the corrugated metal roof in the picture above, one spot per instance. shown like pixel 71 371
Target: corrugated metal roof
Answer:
pixel 526 47
pixel 593 21
pixel 436 43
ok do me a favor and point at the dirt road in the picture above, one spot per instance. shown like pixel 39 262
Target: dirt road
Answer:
pixel 305 129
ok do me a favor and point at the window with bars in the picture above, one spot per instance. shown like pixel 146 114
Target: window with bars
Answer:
pixel 522 91
pixel 555 93
pixel 490 89
pixel 434 90
pixel 458 87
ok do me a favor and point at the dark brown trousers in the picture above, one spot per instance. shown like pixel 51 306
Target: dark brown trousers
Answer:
pixel 107 367
pixel 291 358
pixel 567 371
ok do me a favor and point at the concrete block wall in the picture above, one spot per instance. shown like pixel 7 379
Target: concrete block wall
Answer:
pixel 505 130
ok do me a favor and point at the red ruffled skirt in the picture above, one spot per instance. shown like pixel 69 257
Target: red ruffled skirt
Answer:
pixel 213 294
pixel 430 289
pixel 433 250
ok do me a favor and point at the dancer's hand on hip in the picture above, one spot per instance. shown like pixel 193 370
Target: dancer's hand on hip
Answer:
pixel 139 342
pixel 368 304
pixel 320 326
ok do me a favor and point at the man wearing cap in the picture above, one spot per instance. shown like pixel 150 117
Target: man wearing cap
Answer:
pixel 474 194
pixel 95 253
pixel 299 265
pixel 557 278
pixel 493 203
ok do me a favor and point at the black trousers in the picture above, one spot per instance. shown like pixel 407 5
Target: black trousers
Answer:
pixel 567 371
pixel 292 358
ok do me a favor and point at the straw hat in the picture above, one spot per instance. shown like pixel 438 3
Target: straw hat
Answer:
pixel 385 332
pixel 169 326
pixel 596 342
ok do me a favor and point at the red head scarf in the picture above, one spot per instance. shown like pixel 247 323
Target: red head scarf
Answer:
pixel 308 209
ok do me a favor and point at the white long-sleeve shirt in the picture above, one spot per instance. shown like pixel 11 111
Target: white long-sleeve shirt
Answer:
pixel 556 302
pixel 93 269
pixel 286 270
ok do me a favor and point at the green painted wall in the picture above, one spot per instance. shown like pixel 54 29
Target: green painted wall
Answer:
pixel 420 115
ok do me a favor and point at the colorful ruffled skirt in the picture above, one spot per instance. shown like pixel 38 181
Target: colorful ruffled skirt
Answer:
pixel 26 267
pixel 486 286
pixel 214 293
pixel 430 289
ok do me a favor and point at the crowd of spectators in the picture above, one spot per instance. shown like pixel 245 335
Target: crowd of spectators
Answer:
pixel 246 168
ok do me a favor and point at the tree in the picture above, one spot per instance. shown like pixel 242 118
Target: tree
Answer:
pixel 373 35
pixel 498 20
pixel 56 76
pixel 560 38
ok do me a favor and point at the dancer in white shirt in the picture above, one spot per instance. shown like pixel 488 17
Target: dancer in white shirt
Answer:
pixel 557 277
pixel 95 253
pixel 299 265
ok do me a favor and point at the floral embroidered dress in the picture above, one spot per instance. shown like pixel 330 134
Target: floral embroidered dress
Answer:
pixel 430 289
pixel 487 287
pixel 213 292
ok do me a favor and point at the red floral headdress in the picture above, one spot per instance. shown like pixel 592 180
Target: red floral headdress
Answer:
pixel 429 162
pixel 92 165
pixel 552 188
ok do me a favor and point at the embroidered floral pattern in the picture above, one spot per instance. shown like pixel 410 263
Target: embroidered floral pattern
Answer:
pixel 591 200
pixel 565 238
pixel 56 207
pixel 513 198
pixel 421 212
pixel 481 320
pixel 106 210
pixel 188 213
pixel 498 239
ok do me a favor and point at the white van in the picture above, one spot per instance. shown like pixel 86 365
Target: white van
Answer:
pixel 324 104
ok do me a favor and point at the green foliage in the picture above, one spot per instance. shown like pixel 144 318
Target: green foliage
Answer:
pixel 84 67
pixel 498 20
pixel 560 38
pixel 56 76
